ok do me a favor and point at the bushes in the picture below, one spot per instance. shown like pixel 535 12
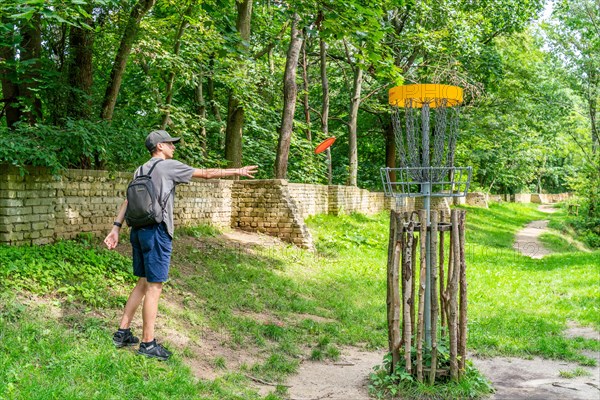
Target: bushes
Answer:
pixel 78 144
pixel 77 271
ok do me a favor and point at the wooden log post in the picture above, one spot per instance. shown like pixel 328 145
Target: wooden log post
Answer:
pixel 408 276
pixel 446 293
pixel 434 297
pixel 413 304
pixel 422 283
pixel 441 279
pixel 452 289
pixel 390 263
pixel 462 344
pixel 395 293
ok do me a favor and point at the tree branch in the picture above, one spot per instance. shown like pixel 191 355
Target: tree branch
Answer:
pixel 268 47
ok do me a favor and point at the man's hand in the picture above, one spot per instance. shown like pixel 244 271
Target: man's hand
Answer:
pixel 248 171
pixel 112 239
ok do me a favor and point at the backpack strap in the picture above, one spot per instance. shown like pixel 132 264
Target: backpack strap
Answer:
pixel 164 204
pixel 141 169
pixel 153 166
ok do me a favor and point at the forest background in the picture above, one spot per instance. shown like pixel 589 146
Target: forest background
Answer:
pixel 262 82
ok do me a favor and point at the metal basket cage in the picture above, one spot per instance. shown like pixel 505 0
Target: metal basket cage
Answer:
pixel 426 181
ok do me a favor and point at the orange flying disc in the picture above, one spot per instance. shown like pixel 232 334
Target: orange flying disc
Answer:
pixel 324 145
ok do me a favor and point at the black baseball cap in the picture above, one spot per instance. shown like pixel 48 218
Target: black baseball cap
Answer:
pixel 160 136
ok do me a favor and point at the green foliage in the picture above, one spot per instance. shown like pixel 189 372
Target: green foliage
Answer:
pixel 74 271
pixel 198 231
pixel 400 383
pixel 78 144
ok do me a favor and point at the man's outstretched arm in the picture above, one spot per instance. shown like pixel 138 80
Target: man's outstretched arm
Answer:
pixel 215 173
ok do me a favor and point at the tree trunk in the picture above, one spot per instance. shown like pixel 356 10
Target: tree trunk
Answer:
pixel 31 45
pixel 10 90
pixel 235 112
pixel 201 115
pixel 325 105
pixel 352 123
pixel 305 90
pixel 169 88
pixel 81 42
pixel 116 75
pixel 593 104
pixel 290 90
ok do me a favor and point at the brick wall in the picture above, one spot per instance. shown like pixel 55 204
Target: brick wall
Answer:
pixel 335 199
pixel 39 208
pixel 266 206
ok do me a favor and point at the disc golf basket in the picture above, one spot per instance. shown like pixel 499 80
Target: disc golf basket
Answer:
pixel 425 119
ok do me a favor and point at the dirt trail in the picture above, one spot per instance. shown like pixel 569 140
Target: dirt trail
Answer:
pixel 539 379
pixel 527 240
pixel 345 379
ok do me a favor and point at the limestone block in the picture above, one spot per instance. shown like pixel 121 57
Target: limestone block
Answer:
pixel 477 199
pixel 522 198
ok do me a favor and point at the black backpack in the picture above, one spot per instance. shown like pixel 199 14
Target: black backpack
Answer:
pixel 143 206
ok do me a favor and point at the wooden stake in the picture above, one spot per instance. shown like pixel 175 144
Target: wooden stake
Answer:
pixel 422 282
pixel 452 289
pixel 441 274
pixel 434 297
pixel 390 263
pixel 408 276
pixel 395 294
pixel 413 303
pixel 462 344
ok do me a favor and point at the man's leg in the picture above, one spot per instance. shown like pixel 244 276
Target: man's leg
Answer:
pixel 133 302
pixel 150 310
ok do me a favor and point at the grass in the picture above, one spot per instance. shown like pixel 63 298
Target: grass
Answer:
pixel 519 306
pixel 574 373
pixel 279 304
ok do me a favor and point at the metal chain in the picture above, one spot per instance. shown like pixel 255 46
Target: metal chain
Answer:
pixel 439 137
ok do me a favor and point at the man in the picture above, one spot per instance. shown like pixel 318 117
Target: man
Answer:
pixel 152 244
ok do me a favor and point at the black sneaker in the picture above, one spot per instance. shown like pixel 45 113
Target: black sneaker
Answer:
pixel 154 350
pixel 125 338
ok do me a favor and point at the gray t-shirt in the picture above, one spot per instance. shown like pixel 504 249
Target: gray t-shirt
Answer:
pixel 165 177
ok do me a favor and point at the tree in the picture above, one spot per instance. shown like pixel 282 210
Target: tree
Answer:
pixel 235 110
pixel 574 33
pixel 290 91
pixel 116 76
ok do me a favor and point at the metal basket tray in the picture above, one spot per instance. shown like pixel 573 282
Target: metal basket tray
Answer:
pixel 427 181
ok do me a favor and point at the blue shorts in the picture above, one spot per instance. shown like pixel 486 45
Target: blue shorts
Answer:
pixel 152 248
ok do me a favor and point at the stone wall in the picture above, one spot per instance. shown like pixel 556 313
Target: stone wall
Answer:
pixel 550 198
pixel 335 199
pixel 477 199
pixel 204 202
pixel 39 208
pixel 266 206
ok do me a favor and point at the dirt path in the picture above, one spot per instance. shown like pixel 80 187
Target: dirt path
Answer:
pixel 513 378
pixel 539 379
pixel 527 240
pixel 345 379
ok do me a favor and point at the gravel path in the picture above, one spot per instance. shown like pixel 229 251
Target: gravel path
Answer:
pixel 527 240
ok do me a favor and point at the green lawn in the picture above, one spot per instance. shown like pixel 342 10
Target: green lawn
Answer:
pixel 310 304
